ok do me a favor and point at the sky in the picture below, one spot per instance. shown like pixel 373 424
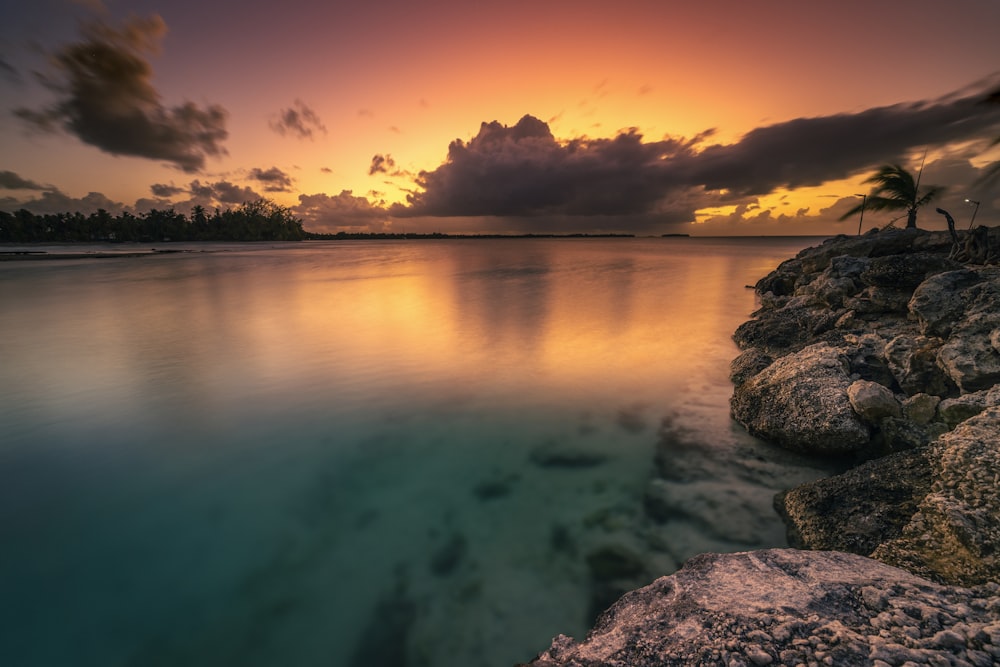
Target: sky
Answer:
pixel 715 117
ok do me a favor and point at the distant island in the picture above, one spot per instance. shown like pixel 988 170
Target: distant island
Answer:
pixel 260 220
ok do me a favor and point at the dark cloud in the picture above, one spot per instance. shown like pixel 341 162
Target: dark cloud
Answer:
pixel 299 121
pixel 105 97
pixel 162 190
pixel 9 72
pixel 222 192
pixel 323 213
pixel 274 179
pixel 326 170
pixel 523 171
pixel 54 201
pixel 11 181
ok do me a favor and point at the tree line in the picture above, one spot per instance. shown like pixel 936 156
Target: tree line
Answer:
pixel 259 220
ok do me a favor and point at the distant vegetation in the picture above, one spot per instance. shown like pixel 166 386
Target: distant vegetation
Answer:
pixel 261 220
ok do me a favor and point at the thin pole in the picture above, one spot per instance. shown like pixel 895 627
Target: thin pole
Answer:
pixel 864 199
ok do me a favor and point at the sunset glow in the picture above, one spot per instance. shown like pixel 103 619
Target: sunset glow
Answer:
pixel 338 113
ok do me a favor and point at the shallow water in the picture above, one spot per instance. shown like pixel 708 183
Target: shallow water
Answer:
pixel 360 452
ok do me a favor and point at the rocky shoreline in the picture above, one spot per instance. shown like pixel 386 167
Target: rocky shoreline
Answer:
pixel 884 350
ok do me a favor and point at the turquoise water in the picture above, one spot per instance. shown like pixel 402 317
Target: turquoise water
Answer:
pixel 361 452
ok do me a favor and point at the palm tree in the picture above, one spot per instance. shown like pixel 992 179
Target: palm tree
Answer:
pixel 896 190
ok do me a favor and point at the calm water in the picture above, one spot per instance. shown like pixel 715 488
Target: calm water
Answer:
pixel 334 453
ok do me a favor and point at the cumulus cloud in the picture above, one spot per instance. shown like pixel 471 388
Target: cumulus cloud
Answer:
pixel 11 181
pixel 223 192
pixel 274 179
pixel 105 98
pixel 298 121
pixel 162 190
pixel 524 171
pixel 343 212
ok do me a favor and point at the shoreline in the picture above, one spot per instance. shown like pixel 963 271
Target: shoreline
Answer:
pixel 882 349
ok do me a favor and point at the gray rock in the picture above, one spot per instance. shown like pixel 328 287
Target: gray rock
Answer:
pixel 940 300
pixel 954 536
pixel 969 357
pixel 748 364
pixel 905 271
pixel 786 607
pixel 872 401
pixel 954 411
pixel 921 408
pixel 800 402
pixel 859 509
pixel 913 362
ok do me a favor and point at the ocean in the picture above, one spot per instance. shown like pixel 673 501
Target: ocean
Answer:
pixel 364 452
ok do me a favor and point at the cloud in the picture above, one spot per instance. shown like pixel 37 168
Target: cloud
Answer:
pixel 105 98
pixel 274 179
pixel 524 171
pixel 161 190
pixel 299 121
pixel 9 72
pixel 326 170
pixel 11 181
pixel 53 201
pixel 323 213
pixel 222 192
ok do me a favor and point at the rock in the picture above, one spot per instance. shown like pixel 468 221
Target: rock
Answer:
pixel 954 536
pixel 859 509
pixel 913 362
pixel 715 506
pixel 940 300
pixel 921 408
pixel 872 401
pixel 954 411
pixel 747 365
pixel 969 357
pixel 905 271
pixel 553 454
pixel 789 607
pixel 800 402
pixel 898 434
pixel 780 330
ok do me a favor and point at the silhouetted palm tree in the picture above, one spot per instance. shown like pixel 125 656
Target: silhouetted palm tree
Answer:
pixel 896 190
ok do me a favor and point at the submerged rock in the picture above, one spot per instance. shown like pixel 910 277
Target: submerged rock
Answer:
pixel 788 607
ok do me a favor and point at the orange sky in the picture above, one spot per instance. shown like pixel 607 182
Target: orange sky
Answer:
pixel 305 97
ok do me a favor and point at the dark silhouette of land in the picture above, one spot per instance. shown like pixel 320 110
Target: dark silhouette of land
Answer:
pixel 261 220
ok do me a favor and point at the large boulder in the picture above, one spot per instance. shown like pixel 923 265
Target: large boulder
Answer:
pixel 800 402
pixel 786 607
pixel 940 300
pixel 954 536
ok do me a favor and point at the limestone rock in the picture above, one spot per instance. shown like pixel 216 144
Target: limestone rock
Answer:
pixel 905 271
pixel 954 537
pixel 913 362
pixel 921 408
pixel 859 509
pixel 787 607
pixel 748 364
pixel 872 401
pixel 969 357
pixel 800 402
pixel 940 300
